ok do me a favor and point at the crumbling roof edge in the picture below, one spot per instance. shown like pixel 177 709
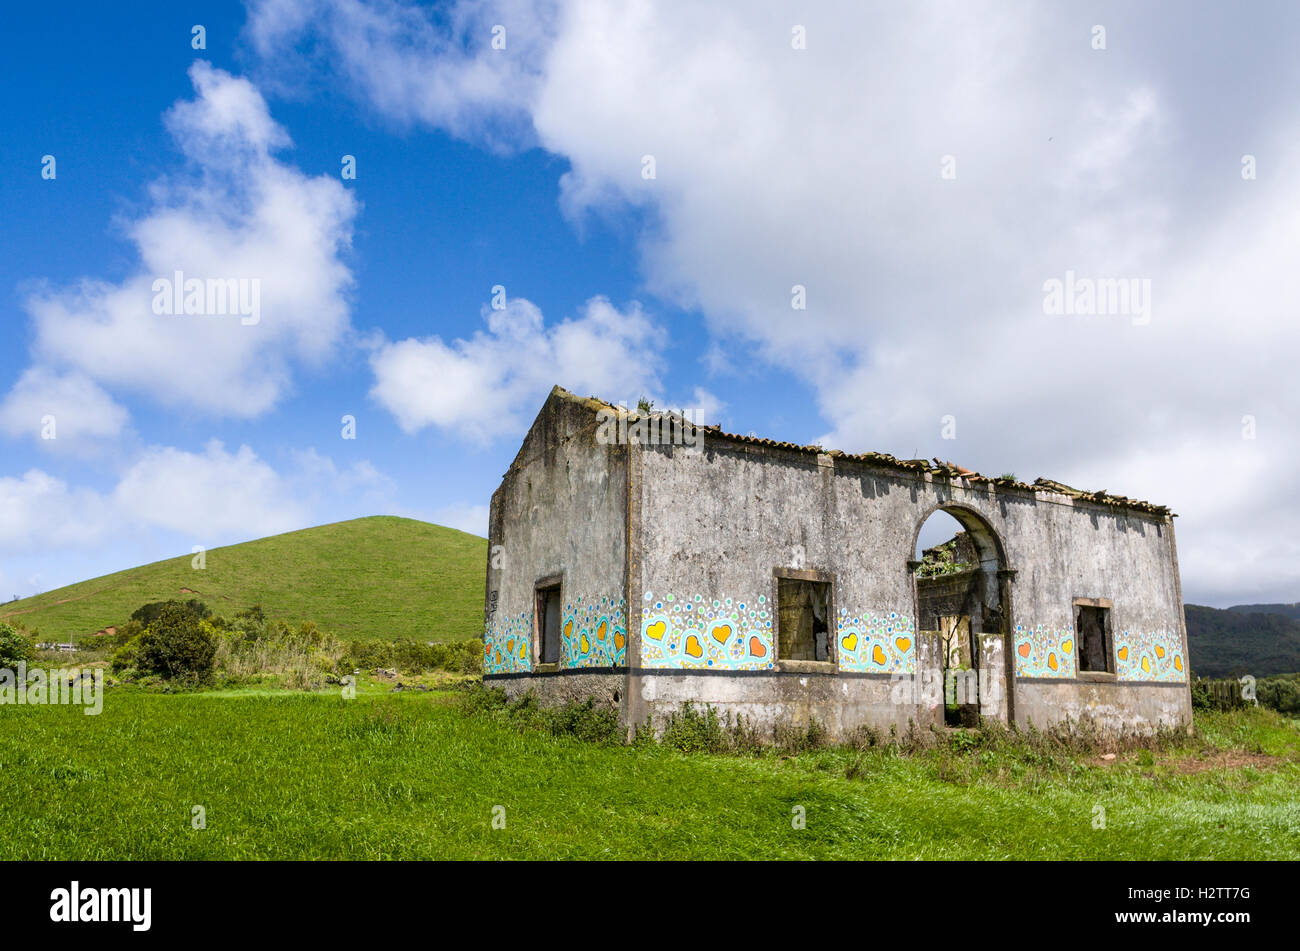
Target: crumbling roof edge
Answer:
pixel 886 461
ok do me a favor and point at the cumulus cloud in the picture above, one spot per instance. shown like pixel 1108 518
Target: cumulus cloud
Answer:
pixel 60 409
pixel 923 170
pixel 236 213
pixel 473 73
pixel 463 516
pixel 212 494
pixel 488 385
pixel 40 511
pixel 211 497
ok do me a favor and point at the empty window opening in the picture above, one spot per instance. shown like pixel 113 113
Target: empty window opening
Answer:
pixel 803 613
pixel 1092 627
pixel 548 624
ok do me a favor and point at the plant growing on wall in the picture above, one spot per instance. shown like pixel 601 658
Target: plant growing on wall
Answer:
pixel 941 560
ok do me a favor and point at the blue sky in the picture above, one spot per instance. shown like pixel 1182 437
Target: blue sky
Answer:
pixel 921 172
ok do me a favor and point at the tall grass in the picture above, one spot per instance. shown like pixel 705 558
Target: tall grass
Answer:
pixel 312 775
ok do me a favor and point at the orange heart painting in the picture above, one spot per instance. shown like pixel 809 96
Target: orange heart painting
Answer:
pixel 721 633
pixel 757 647
pixel 693 646
pixel 1023 650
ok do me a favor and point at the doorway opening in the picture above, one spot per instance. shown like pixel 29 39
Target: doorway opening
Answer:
pixel 957 564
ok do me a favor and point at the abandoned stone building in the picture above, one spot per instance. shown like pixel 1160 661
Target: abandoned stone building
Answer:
pixel 645 561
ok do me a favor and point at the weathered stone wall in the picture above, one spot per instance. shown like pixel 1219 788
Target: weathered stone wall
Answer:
pixel 948 595
pixel 711 526
pixel 561 511
pixel 718 521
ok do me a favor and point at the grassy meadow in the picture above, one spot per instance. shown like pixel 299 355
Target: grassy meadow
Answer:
pixel 381 577
pixel 407 775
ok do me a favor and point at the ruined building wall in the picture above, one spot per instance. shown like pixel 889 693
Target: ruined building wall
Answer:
pixel 669 556
pixel 717 522
pixel 561 510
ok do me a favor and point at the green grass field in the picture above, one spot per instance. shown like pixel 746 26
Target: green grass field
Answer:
pixel 381 577
pixel 285 775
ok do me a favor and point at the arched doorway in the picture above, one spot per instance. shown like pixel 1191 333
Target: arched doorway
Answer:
pixel 960 583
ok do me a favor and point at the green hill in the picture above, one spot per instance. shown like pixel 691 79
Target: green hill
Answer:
pixel 1286 610
pixel 1225 643
pixel 381 577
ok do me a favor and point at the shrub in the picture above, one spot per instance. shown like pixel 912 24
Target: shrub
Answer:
pixel 148 613
pixel 124 657
pixel 1279 693
pixel 461 657
pixel 585 721
pixel 177 645
pixel 126 633
pixel 15 647
pixel 1221 695
pixel 801 738
pixel 691 731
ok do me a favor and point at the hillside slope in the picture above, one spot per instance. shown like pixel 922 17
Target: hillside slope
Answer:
pixel 1226 643
pixel 382 577
pixel 1286 610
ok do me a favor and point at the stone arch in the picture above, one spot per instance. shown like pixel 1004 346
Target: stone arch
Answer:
pixel 981 595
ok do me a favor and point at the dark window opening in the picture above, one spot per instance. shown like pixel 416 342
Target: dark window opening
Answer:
pixel 803 616
pixel 548 624
pixel 1091 626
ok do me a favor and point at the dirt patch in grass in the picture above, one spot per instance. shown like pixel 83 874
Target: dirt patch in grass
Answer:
pixel 1198 762
pixel 1224 759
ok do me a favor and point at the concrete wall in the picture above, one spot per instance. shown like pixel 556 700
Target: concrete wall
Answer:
pixel 717 522
pixel 683 544
pixel 561 511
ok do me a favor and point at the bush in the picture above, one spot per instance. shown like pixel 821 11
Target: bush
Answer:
pixel 1217 695
pixel 586 720
pixel 15 647
pixel 126 633
pixel 176 645
pixel 691 731
pixel 1279 693
pixel 124 657
pixel 460 657
pixel 148 613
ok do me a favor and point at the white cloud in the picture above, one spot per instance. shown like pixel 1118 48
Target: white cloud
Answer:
pixel 168 495
pixel 489 385
pixel 39 511
pixel 821 167
pixel 463 516
pixel 215 494
pixel 235 213
pixel 451 75
pixel 79 408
